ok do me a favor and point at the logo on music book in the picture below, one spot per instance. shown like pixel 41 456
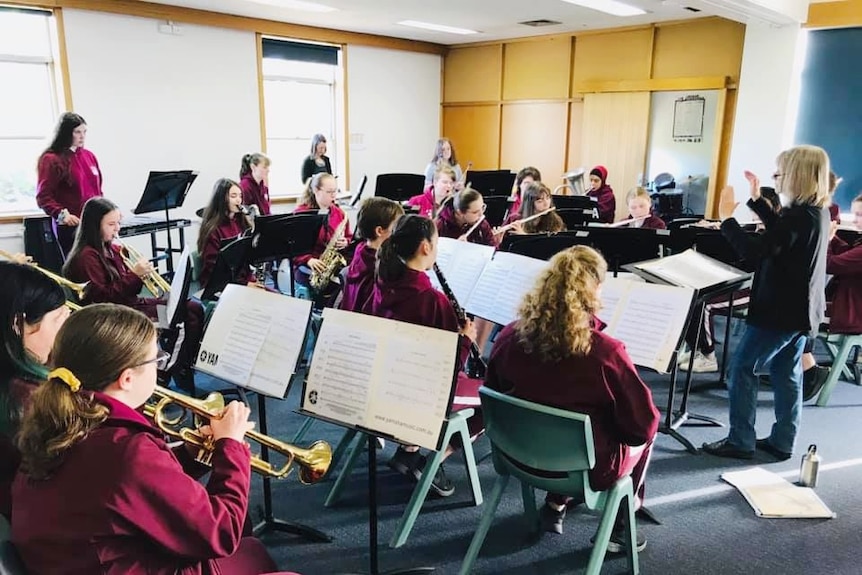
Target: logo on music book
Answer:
pixel 312 397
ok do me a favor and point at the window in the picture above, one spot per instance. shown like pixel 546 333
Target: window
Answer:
pixel 300 100
pixel 29 102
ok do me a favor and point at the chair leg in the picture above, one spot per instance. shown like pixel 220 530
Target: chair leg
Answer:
pixel 484 524
pixel 528 497
pixel 470 461
pixel 343 446
pixel 616 496
pixel 834 372
pixel 303 429
pixel 338 486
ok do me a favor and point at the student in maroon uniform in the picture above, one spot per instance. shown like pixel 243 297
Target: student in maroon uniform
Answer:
pixel 430 201
pixel 461 214
pixel 640 206
pixel 32 311
pixel 96 259
pixel 319 195
pixel 565 361
pixel 537 198
pixel 404 292
pixel 375 223
pixel 222 220
pixel 603 193
pixel 141 512
pixel 253 174
pixel 68 176
pixel 524 178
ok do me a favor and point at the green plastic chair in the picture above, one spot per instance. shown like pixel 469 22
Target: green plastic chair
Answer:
pixel 455 425
pixel 526 437
pixel 839 346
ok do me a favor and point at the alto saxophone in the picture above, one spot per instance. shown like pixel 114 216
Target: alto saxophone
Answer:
pixel 331 258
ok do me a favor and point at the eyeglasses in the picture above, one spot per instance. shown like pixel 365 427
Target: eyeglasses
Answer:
pixel 776 175
pixel 161 361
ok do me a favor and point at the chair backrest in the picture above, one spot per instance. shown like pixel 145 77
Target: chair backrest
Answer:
pixel 10 563
pixel 543 446
pixel 497 206
pixel 399 187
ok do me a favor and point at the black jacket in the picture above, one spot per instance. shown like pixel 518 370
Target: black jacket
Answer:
pixel 790 258
pixel 310 167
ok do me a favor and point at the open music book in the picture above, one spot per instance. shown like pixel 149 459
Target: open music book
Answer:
pixel 387 377
pixel 770 495
pixel 254 339
pixel 689 269
pixel 461 264
pixel 648 318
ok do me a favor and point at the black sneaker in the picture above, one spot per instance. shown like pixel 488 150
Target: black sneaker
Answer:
pixel 551 520
pixel 813 380
pixel 617 543
pixel 723 448
pixel 440 484
pixel 406 462
pixel 764 445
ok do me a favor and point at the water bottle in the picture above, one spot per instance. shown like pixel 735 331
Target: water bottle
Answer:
pixel 809 468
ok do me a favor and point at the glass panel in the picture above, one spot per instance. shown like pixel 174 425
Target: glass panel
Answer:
pixel 24 34
pixel 294 69
pixel 27 109
pixel 296 109
pixel 285 176
pixel 18 174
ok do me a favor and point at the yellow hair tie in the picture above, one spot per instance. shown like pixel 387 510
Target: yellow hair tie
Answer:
pixel 67 377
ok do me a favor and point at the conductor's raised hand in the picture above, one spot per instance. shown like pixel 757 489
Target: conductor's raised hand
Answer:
pixel 469 330
pixel 233 423
pixel 754 184
pixel 727 203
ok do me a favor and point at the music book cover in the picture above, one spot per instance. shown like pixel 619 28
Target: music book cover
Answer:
pixel 689 269
pixel 254 339
pixel 385 377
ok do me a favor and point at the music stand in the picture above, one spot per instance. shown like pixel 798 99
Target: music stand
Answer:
pixel 165 191
pixel 574 202
pixel 576 218
pixel 541 246
pixel 496 209
pixel 492 182
pixel 621 246
pixel 359 193
pixel 285 236
pixel 399 187
pixel 233 255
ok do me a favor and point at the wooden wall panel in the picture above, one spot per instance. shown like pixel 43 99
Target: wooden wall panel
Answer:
pixel 475 130
pixel 615 134
pixel 576 128
pixel 709 47
pixel 473 74
pixel 613 56
pixel 534 135
pixel 538 69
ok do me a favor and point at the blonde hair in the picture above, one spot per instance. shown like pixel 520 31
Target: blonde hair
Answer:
pixel 804 175
pixel 314 183
pixel 96 344
pixel 638 193
pixel 555 316
pixel 444 169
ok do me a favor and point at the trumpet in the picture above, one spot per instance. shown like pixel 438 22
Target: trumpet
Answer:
pixel 78 288
pixel 155 284
pixel 313 462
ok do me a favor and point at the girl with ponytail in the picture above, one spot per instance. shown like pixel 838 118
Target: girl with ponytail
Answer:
pixel 580 369
pixel 254 182
pixel 99 491
pixel 404 292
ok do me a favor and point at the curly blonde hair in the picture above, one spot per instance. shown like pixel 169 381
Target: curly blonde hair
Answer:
pixel 555 316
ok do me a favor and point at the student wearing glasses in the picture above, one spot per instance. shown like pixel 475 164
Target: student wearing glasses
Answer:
pixel 141 512
pixel 459 217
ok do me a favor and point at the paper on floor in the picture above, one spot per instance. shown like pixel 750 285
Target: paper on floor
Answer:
pixel 771 495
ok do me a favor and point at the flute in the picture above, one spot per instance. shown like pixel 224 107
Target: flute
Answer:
pixel 628 221
pixel 473 228
pixel 507 227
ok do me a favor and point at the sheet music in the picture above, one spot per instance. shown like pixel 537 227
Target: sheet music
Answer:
pixel 176 293
pixel 254 339
pixel 502 285
pixel 647 318
pixel 691 269
pixel 390 377
pixel 462 264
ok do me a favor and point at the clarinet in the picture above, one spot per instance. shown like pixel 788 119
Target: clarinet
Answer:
pixel 476 366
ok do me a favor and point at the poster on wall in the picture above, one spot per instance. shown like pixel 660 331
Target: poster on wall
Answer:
pixel 688 115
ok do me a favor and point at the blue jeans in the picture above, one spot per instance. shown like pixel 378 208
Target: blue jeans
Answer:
pixel 778 353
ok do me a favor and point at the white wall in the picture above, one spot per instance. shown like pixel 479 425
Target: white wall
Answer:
pixel 393 111
pixel 682 159
pixel 766 105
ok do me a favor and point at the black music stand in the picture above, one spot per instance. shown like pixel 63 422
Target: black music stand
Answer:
pixel 492 182
pixel 496 208
pixel 165 191
pixel 233 256
pixel 285 236
pixel 576 218
pixel 574 202
pixel 399 187
pixel 541 246
pixel 621 246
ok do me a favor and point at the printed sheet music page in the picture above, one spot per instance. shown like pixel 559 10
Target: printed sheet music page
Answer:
pixel 254 339
pixel 647 318
pixel 691 269
pixel 382 375
pixel 502 285
pixel 462 264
